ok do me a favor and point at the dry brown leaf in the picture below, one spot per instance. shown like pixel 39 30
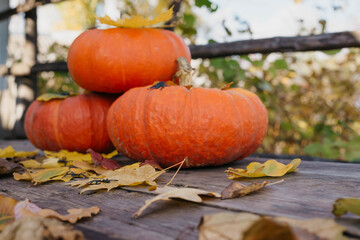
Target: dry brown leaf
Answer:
pixel 236 189
pixel 130 175
pixel 189 194
pixel 249 226
pixel 25 209
pixel 7 167
pixel 7 205
pixel 73 216
pixel 39 229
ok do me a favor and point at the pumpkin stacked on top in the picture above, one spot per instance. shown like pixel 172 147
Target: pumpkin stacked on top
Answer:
pixel 162 122
pixel 107 61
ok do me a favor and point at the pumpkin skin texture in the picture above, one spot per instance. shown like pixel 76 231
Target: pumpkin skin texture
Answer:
pixel 115 60
pixel 75 124
pixel 209 126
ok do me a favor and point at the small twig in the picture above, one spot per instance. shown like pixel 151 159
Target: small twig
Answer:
pixel 182 162
pixel 273 183
pixel 164 170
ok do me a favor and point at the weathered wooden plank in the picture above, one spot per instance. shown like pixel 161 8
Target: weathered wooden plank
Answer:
pixel 308 193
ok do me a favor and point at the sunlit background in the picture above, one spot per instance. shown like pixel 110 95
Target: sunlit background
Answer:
pixel 313 98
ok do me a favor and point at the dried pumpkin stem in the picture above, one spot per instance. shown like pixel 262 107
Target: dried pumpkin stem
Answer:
pixel 182 162
pixel 185 72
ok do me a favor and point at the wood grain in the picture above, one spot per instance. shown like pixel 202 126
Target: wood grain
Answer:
pixel 308 193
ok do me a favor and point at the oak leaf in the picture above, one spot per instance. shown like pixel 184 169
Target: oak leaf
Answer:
pixel 270 168
pixel 166 193
pixel 138 21
pixel 344 205
pixel 37 228
pixel 236 189
pixel 7 205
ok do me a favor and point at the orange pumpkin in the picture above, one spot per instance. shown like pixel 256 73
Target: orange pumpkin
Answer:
pixel 115 60
pixel 209 126
pixel 75 124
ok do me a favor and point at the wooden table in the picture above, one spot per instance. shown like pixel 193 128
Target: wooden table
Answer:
pixel 308 193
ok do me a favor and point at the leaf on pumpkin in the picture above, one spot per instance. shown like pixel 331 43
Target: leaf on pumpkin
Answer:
pixel 270 168
pixel 248 226
pixel 39 229
pixel 42 175
pixel 236 189
pixel 51 96
pixel 130 175
pixel 9 152
pixel 106 163
pixel 7 167
pixel 7 205
pixel 344 205
pixel 166 193
pixel 138 21
pixel 153 163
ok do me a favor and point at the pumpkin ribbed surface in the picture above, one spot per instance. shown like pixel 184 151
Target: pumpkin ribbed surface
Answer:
pixel 115 60
pixel 75 123
pixel 209 126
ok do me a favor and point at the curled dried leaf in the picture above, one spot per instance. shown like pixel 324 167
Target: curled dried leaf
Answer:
pixel 236 189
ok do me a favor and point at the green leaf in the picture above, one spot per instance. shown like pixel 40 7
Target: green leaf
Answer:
pixel 331 52
pixel 280 64
pixel 344 205
pixel 212 7
pixel 51 96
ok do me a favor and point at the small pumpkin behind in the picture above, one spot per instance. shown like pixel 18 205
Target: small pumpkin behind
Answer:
pixel 209 126
pixel 73 123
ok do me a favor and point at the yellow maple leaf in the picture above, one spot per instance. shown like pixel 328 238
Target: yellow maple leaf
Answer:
pixel 76 156
pixel 138 21
pixel 9 152
pixel 270 168
pixel 189 194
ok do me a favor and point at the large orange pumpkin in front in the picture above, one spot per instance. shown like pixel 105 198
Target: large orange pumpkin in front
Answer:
pixel 209 126
pixel 76 123
pixel 115 60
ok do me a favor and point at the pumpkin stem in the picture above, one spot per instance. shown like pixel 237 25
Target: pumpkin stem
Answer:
pixel 226 86
pixel 185 72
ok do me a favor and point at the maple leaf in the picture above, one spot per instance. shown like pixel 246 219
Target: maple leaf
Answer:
pixel 344 205
pixel 248 226
pixel 153 163
pixel 236 189
pixel 9 152
pixel 189 194
pixel 106 163
pixel 138 21
pixel 130 175
pixel 39 229
pixel 270 168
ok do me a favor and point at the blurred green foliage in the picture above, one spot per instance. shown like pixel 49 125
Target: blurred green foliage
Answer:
pixel 312 98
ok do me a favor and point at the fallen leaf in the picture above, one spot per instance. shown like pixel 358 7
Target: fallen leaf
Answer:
pixel 31 163
pixel 130 175
pixel 106 163
pixel 7 167
pixel 137 21
pixel 189 194
pixel 249 226
pixel 42 175
pixel 39 229
pixel 270 168
pixel 89 167
pixel 73 216
pixel 7 205
pixel 51 96
pixel 153 163
pixel 344 205
pixel 76 156
pixel 9 152
pixel 27 205
pixel 236 189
